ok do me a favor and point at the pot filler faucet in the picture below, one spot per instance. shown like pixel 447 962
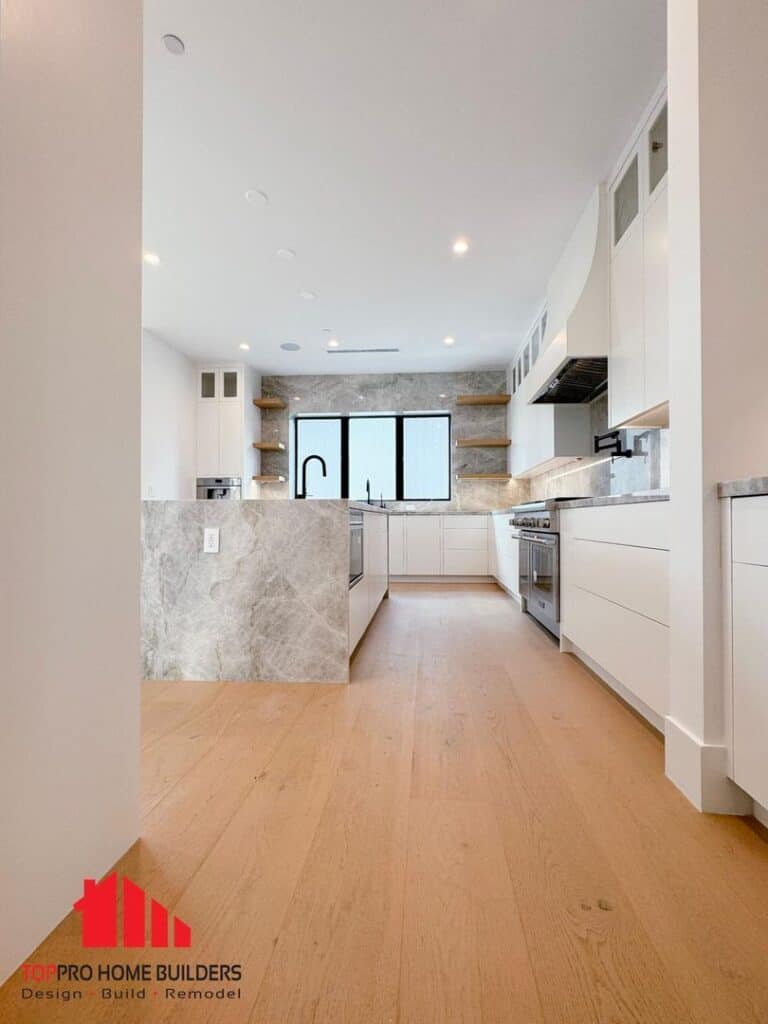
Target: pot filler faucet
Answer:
pixel 309 459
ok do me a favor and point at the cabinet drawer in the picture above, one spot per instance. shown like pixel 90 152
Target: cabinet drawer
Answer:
pixel 644 524
pixel 750 530
pixel 465 563
pixel 750 679
pixel 465 540
pixel 630 647
pixel 636 578
pixel 465 523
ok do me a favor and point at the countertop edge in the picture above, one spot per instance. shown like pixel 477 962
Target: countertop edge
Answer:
pixel 614 499
pixel 749 487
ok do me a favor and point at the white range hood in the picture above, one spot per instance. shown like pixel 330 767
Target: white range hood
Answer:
pixel 573 364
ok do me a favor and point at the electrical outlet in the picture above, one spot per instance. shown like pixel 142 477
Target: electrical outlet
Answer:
pixel 211 540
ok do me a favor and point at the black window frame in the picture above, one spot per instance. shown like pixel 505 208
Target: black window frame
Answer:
pixel 399 419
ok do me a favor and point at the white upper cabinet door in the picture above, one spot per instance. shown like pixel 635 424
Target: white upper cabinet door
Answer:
pixel 230 439
pixel 423 546
pixel 208 439
pixel 397 545
pixel 656 295
pixel 626 364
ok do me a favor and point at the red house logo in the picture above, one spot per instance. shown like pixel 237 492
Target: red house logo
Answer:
pixel 98 906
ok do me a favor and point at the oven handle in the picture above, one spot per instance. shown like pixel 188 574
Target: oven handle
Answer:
pixel 539 540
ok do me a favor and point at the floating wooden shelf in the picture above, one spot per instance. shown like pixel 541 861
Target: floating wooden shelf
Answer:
pixel 269 446
pixel 269 479
pixel 483 442
pixel 269 403
pixel 485 476
pixel 482 399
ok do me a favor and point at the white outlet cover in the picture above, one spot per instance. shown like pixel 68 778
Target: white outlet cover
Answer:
pixel 211 540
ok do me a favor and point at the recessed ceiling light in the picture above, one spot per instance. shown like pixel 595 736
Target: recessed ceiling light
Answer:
pixel 286 254
pixel 256 197
pixel 460 247
pixel 333 343
pixel 173 44
pixel 290 346
pixel 245 346
pixel 151 258
pixel 442 396
pixel 297 398
pixel 307 295
pixel 449 340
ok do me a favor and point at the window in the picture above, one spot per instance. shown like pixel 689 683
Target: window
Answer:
pixel 405 457
pixel 426 457
pixel 535 345
pixel 372 456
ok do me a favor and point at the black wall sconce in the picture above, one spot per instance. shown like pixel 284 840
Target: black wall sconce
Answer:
pixel 610 443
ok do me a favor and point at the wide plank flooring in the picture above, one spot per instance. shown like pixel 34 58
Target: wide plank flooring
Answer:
pixel 474 830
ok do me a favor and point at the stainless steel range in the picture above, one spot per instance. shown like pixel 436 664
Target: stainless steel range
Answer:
pixel 539 526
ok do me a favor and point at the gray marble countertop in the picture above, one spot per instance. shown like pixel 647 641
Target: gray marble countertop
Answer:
pixel 437 512
pixel 751 486
pixel 363 506
pixel 616 499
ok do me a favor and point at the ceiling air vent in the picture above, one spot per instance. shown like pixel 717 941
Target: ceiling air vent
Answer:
pixel 357 351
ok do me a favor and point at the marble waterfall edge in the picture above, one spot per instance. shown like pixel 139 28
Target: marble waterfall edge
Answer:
pixel 272 605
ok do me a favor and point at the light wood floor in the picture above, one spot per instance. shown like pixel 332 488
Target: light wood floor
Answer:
pixel 474 830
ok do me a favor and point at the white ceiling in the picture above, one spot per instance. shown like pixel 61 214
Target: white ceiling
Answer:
pixel 381 131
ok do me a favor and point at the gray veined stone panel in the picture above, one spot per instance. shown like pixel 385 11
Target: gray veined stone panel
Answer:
pixel 272 605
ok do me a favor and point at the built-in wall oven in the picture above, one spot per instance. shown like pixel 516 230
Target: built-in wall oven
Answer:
pixel 538 523
pixel 356 565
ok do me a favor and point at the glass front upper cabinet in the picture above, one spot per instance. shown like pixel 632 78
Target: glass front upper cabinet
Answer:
pixel 658 151
pixel 626 201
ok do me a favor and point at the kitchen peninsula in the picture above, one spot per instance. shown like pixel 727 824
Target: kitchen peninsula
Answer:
pixel 272 604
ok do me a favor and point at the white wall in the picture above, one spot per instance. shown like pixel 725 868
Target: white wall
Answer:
pixel 718 247
pixel 70 297
pixel 168 406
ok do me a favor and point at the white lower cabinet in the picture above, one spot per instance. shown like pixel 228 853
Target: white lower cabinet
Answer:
pixel 368 593
pixel 504 546
pixel 438 545
pixel 749 613
pixel 423 546
pixel 614 595
pixel 750 680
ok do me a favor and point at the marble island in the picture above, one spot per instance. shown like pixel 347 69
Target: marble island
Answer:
pixel 271 605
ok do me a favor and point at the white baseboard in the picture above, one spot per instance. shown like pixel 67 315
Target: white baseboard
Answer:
pixel 760 813
pixel 441 579
pixel 699 770
pixel 568 647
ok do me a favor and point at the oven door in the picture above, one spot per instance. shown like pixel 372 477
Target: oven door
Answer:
pixel 543 597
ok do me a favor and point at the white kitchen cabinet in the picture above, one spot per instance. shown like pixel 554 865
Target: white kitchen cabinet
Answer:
pixel 750 679
pixel 367 594
pixel 614 589
pixel 465 545
pixel 656 300
pixel 748 567
pixel 227 423
pixel 505 545
pixel 397 545
pixel 358 612
pixel 207 428
pixel 638 375
pixel 375 558
pixel 626 367
pixel 423 546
